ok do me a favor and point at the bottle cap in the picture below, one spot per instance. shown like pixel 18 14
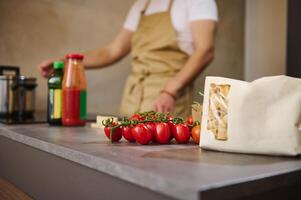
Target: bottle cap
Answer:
pixel 75 56
pixel 58 65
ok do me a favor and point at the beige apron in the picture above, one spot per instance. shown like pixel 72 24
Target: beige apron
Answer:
pixel 156 59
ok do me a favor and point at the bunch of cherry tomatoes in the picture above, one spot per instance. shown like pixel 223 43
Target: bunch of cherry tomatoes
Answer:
pixel 152 127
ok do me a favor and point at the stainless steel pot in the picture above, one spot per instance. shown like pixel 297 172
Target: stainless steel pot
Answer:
pixel 8 96
pixel 17 93
pixel 25 90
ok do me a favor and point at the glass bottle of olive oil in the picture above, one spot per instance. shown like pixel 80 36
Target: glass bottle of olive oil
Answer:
pixel 55 94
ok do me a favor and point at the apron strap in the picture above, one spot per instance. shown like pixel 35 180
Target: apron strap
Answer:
pixel 145 7
pixel 170 5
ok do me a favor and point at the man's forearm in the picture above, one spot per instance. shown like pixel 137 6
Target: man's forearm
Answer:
pixel 99 58
pixel 111 53
pixel 96 58
pixel 193 67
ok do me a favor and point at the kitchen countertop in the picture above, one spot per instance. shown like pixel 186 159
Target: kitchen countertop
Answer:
pixel 178 171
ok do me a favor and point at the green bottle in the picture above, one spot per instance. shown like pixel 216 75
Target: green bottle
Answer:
pixel 55 94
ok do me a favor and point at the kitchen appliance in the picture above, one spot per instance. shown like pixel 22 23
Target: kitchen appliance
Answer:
pixel 25 92
pixel 17 92
pixel 8 98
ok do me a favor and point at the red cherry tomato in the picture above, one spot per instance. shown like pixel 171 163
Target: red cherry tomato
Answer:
pixel 142 134
pixel 127 133
pixel 162 133
pixel 136 116
pixel 152 127
pixel 181 133
pixel 116 135
pixel 170 125
pixel 189 120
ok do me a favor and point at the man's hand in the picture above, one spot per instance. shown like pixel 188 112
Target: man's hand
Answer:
pixel 45 67
pixel 164 103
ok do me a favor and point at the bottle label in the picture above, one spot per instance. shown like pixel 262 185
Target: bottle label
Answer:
pixel 83 104
pixel 55 103
pixel 71 105
pixel 74 106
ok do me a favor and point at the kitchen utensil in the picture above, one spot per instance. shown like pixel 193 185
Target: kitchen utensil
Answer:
pixel 25 90
pixel 8 96
pixel 17 93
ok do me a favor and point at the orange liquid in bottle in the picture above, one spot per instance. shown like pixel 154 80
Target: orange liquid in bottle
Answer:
pixel 74 92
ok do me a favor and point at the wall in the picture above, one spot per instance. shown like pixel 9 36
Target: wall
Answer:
pixel 34 30
pixel 265 40
pixel 229 53
pixel 294 39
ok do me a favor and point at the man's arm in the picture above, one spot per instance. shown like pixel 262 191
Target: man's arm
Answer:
pixel 203 32
pixel 111 53
pixel 98 58
pixel 204 36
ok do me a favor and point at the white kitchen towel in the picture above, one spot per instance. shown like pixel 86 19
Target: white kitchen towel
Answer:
pixel 260 117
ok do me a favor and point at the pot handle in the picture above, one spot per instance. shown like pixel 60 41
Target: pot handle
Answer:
pixel 11 69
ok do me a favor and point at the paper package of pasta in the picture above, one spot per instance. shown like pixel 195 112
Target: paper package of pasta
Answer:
pixel 259 117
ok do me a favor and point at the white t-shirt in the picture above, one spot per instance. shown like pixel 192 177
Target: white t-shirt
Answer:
pixel 182 13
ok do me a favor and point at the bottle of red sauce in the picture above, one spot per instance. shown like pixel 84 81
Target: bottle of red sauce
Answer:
pixel 74 92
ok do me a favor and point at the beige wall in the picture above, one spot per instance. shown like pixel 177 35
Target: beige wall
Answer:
pixel 34 30
pixel 265 40
pixel 229 54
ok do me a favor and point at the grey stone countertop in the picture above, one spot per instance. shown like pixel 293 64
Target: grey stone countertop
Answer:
pixel 179 171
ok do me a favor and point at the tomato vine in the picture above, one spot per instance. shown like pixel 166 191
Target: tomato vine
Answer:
pixel 147 117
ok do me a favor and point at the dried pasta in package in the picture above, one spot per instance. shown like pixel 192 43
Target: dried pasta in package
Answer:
pixel 218 110
pixel 247 117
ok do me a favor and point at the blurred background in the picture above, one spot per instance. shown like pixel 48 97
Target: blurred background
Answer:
pixel 251 42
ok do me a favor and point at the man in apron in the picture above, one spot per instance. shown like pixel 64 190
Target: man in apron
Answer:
pixel 162 73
